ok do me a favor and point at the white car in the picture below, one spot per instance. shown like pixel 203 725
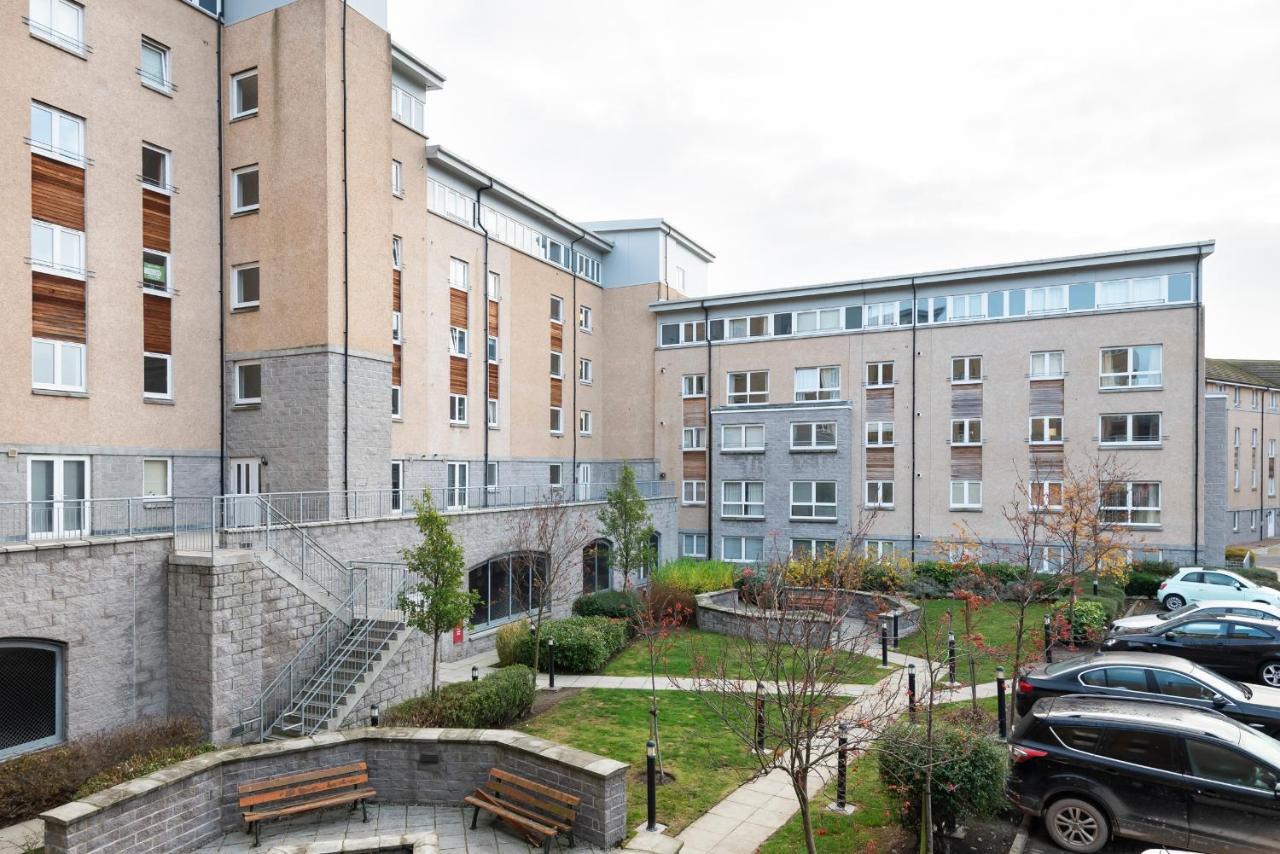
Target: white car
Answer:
pixel 1197 584
pixel 1207 608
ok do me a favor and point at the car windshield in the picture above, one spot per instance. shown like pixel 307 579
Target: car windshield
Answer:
pixel 1177 612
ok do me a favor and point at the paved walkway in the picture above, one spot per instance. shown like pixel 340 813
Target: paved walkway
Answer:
pixel 21 838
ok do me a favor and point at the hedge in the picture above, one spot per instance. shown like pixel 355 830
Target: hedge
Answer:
pixel 695 576
pixel 617 604
pixel 968 771
pixel 583 644
pixel 507 638
pixel 494 702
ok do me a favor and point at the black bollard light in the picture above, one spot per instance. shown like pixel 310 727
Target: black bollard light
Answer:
pixel 884 642
pixel 374 715
pixel 1001 712
pixel 651 775
pixel 551 663
pixel 1095 585
pixel 951 657
pixel 759 718
pixel 475 673
pixel 911 690
pixel 842 760
pixel 1048 645
pixel 896 613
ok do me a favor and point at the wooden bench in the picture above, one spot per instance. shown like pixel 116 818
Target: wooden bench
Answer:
pixel 307 791
pixel 538 813
pixel 812 600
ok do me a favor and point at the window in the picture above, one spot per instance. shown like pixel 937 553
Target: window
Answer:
pixel 397 178
pixel 742 549
pixel 1132 367
pixel 693 545
pixel 584 318
pixel 1235 441
pixel 742 437
pixel 397 252
pixel 966 369
pixel 813 499
pixel 693 492
pixel 557 309
pixel 155 270
pixel 557 365
pixel 1235 394
pixel 819 320
pixel 495 286
pixel 1128 678
pixel 584 422
pixel 588 268
pixel 968 307
pixel 693 439
pixel 33 675
pixel 748 387
pixel 244 94
pixel 396 410
pixel 555 474
pixel 491 412
pixel 491 478
pixel 880 494
pixel 249 382
pixel 455 497
pixel 693 385
pixel 1047 365
pixel 57 134
pixel 157 375
pixel 557 421
pixel 244 190
pixel 584 371
pixel 155 66
pixel 1253 438
pixel 742 498
pixel 1146 749
pixel 1132 503
pixel 966 494
pixel 245 286
pixel 596 574
pixel 813 435
pixel 880 314
pixel 458 342
pixel 1147 289
pixel 879 434
pixel 808 547
pixel 397 327
pixel 1051 558
pixel 155 478
pixel 408 109
pixel 397 486
pixel 59 22
pixel 689 332
pixel 1046 430
pixel 1139 428
pixel 1222 764
pixel 1040 300
pixel 1253 398
pixel 449 202
pixel 1045 495
pixel 58 488
pixel 492 351
pixel 879 374
pixel 966 431
pixel 508 587
pixel 817 383
pixel 57 365
pixel 878 550
pixel 458 409
pixel 756 326
pixel 459 274
pixel 57 250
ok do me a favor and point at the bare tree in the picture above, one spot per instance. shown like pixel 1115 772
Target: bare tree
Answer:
pixel 660 615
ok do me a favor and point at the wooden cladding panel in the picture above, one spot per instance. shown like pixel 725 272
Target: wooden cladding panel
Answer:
pixel 396 360
pixel 57 308
pixel 493 317
pixel 966 401
pixel 879 463
pixel 395 290
pixel 557 392
pixel 457 375
pixel 695 412
pixel 1047 397
pixel 879 404
pixel 966 463
pixel 695 465
pixel 557 337
pixel 457 308
pixel 57 192
pixel 493 382
pixel 157 324
pixel 1046 463
pixel 155 220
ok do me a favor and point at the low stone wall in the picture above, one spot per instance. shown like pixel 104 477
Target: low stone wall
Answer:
pixel 193 802
pixel 721 611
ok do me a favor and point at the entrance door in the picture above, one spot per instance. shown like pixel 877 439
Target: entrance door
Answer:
pixel 245 481
pixel 58 488
pixel 1271 523
pixel 456 494
pixel 584 481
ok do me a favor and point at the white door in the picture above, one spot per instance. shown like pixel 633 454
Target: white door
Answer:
pixel 456 494
pixel 1271 523
pixel 58 489
pixel 584 481
pixel 245 481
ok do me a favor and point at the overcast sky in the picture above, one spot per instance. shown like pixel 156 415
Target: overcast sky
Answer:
pixel 809 142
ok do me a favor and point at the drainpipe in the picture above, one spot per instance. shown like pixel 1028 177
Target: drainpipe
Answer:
pixel 573 319
pixel 346 280
pixel 914 416
pixel 484 475
pixel 1199 392
pixel 222 283
pixel 709 388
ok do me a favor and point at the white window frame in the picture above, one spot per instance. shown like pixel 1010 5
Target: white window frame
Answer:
pixel 56 148
pixel 556 417
pixel 873 493
pixel 457 408
pixel 237 203
pixel 693 493
pixel 167 394
pixel 746 508
pixel 974 307
pixel 397 327
pixel 880 315
pixel 491 477
pixel 491 412
pixel 166 177
pixel 746 398
pixel 1044 491
pixel 1132 375
pixel 878 550
pixel 878 368
pixel 457 486
pixel 696 382
pixel 967 501
pixel 61 349
pixel 555 475
pixel 584 370
pixel 46 32
pixel 168 478
pixel 448 202
pixel 1052 298
pixel 397 403
pixel 241 400
pixel 494 289
pixel 809 546
pixel 1128 508
pixel 491 352
pixel 237 302
pixel 584 318
pixel 1046 359
pixel 693 439
pixel 459 274
pixel 817 391
pixel 397 178
pixel 970 432
pixel 459 342
pixel 408 109
pixel 1045 423
pixel 813 444
pixel 584 422
pixel 687 540
pixel 165 84
pixel 741 542
pixel 238 111
pixel 733 438
pixel 823 320
pixel 1130 287
pixel 819 511
pixel 556 309
pixel 747 326
pixel 397 252
pixel 397 486
pixel 967 368
pixel 58 265
pixel 876 430
pixel 1129 441
pixel 149 287
pixel 555 365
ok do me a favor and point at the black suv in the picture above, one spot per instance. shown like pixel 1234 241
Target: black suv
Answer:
pixel 1095 767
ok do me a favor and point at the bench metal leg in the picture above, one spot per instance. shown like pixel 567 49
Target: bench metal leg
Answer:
pixel 365 810
pixel 257 833
pixel 475 814
pixel 546 845
pixel 571 842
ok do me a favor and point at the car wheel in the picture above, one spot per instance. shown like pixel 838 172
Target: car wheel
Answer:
pixel 1269 673
pixel 1077 825
pixel 1173 602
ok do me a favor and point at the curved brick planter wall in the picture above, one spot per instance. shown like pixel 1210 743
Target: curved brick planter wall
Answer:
pixel 722 612
pixel 193 802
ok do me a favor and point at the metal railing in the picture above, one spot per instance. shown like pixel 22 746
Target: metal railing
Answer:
pixel 79 519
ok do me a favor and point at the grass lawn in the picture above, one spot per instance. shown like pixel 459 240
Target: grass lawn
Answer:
pixel 873 823
pixel 994 625
pixel 687 646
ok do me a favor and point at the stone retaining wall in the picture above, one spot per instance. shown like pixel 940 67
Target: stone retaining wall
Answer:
pixel 722 612
pixel 193 802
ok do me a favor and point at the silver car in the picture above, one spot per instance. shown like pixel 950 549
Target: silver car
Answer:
pixel 1207 608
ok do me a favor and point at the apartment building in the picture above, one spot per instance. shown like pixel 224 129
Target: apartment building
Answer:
pixel 1251 393
pixel 920 401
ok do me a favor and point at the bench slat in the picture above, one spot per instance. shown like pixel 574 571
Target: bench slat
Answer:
pixel 529 826
pixel 331 801
pixel 304 790
pixel 563 797
pixel 301 777
pixel 552 813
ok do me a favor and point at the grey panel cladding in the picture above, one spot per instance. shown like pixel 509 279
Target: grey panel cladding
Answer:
pixel 1215 480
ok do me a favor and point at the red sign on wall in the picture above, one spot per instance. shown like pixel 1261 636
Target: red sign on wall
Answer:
pixel 457 634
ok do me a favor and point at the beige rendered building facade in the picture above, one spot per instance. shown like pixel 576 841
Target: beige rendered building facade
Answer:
pixel 1251 393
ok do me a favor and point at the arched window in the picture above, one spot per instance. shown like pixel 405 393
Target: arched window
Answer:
pixel 31 702
pixel 509 586
pixel 595 567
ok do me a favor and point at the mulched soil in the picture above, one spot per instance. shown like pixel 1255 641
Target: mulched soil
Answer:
pixel 544 700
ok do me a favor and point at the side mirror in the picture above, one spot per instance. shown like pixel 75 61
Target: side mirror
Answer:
pixel 1171 636
pixel 1239 586
pixel 1219 702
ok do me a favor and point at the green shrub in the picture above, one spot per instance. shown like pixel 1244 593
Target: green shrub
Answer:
pixel 506 639
pixel 1265 577
pixel 695 576
pixel 1161 568
pixel 968 772
pixel 496 701
pixel 583 644
pixel 618 604
pixel 1143 583
pixel 1088 619
pixel 35 782
pixel 1237 553
pixel 754 587
pixel 885 577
